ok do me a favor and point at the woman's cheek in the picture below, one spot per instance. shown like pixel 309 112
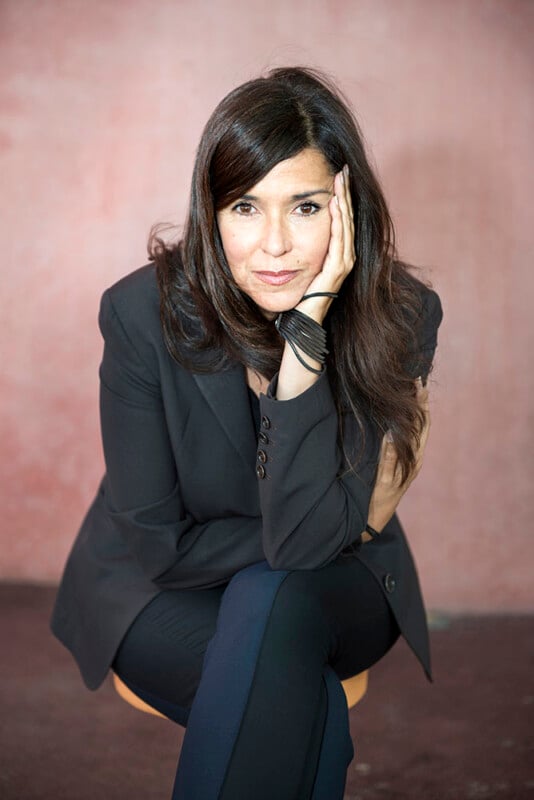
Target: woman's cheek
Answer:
pixel 320 249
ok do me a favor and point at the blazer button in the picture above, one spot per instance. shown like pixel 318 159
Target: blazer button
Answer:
pixel 265 423
pixel 260 471
pixel 262 456
pixel 389 583
pixel 263 438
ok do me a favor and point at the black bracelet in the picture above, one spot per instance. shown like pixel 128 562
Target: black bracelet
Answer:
pixel 301 331
pixel 319 294
pixel 371 531
pixel 305 332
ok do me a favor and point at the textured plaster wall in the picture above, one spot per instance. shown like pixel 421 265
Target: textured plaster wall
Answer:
pixel 101 107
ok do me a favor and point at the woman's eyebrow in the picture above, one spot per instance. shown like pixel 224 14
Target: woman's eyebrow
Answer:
pixel 300 196
pixel 303 195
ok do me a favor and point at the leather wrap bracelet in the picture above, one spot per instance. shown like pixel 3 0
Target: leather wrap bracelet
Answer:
pixel 318 294
pixel 303 332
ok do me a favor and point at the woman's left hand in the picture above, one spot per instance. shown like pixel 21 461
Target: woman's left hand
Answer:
pixel 340 257
pixel 388 489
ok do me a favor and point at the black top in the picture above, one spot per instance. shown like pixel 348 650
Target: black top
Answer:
pixel 255 409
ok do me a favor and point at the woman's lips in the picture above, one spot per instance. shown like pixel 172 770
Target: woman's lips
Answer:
pixel 277 278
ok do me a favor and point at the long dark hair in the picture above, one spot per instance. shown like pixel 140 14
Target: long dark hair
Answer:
pixel 209 323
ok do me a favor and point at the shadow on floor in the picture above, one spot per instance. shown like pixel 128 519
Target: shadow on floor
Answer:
pixel 468 735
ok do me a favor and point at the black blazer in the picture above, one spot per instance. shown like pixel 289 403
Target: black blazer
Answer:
pixel 185 502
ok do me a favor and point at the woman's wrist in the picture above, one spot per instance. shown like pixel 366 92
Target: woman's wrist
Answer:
pixel 315 307
pixel 370 533
pixel 382 509
pixel 305 348
pixel 293 377
pixel 373 533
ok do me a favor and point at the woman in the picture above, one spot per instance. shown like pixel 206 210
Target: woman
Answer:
pixel 263 412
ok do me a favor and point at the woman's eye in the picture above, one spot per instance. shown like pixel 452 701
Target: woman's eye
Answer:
pixel 245 209
pixel 307 209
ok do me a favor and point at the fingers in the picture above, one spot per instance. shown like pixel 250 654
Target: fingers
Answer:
pixel 337 231
pixel 344 204
pixel 388 471
pixel 422 394
pixel 341 251
pixel 423 401
pixel 348 219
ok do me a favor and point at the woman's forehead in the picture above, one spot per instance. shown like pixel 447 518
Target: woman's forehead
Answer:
pixel 295 178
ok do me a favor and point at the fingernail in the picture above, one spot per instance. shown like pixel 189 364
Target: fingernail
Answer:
pixel 342 174
pixel 336 198
pixel 389 436
pixel 346 170
pixel 419 382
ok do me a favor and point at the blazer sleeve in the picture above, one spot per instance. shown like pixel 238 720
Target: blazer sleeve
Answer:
pixel 312 506
pixel 141 485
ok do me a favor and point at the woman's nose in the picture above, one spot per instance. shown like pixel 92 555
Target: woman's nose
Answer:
pixel 276 240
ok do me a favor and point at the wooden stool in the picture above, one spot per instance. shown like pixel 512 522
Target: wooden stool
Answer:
pixel 354 689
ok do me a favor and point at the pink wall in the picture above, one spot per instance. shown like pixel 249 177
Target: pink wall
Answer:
pixel 101 107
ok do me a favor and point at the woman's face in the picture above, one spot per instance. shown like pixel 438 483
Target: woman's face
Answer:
pixel 275 237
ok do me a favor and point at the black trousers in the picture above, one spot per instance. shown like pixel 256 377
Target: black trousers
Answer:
pixel 253 669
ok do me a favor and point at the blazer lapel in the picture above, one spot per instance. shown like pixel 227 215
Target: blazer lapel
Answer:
pixel 226 393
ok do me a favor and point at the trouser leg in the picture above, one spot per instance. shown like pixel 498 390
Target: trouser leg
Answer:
pixel 227 676
pixel 257 712
pixel 295 701
pixel 161 655
pixel 327 775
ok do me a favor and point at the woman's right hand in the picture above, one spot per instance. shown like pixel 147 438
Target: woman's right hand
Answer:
pixel 388 492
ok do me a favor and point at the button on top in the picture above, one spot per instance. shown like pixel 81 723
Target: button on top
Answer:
pixel 265 423
pixel 263 438
pixel 389 583
pixel 260 471
pixel 262 456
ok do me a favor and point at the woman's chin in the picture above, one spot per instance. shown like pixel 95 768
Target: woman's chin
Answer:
pixel 272 313
pixel 271 306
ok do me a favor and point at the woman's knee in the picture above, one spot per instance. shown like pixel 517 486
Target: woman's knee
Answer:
pixel 286 600
pixel 253 587
pixel 298 611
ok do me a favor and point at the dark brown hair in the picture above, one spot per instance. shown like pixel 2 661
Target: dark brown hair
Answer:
pixel 208 322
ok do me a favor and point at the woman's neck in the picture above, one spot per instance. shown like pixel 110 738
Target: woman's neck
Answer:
pixel 258 383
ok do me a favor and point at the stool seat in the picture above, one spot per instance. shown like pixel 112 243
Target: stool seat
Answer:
pixel 354 689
